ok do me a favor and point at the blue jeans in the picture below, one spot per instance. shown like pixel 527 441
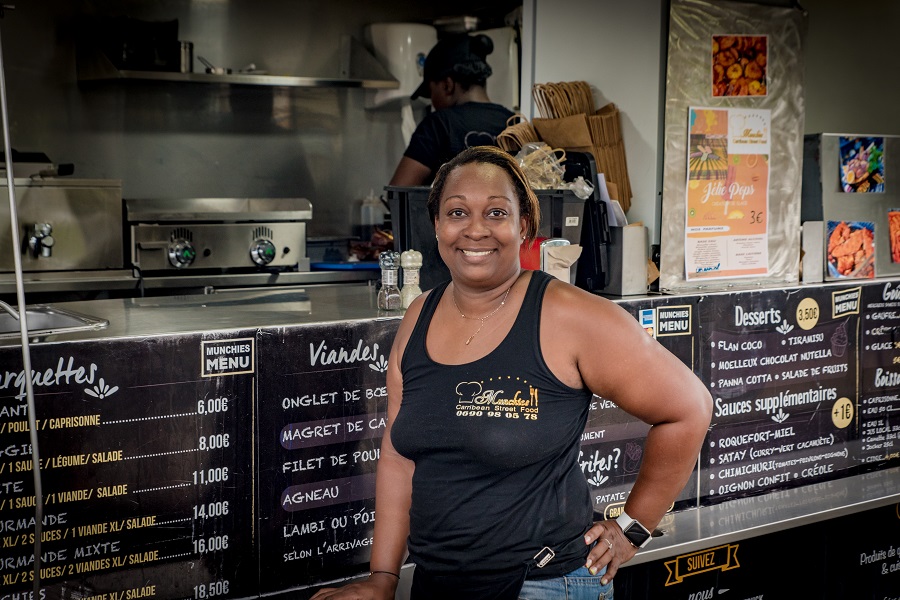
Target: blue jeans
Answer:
pixel 577 585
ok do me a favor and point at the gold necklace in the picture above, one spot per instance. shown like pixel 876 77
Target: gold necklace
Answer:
pixel 482 319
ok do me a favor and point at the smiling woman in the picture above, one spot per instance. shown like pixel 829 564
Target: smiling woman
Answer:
pixel 489 384
pixel 482 213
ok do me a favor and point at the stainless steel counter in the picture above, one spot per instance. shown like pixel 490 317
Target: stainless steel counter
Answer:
pixel 706 527
pixel 74 281
pixel 221 311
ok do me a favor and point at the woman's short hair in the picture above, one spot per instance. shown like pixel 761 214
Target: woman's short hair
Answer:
pixel 529 208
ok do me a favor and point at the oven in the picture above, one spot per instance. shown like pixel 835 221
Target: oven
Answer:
pixel 65 225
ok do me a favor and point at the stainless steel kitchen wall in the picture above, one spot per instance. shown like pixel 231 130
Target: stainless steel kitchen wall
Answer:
pixel 188 139
pixel 689 84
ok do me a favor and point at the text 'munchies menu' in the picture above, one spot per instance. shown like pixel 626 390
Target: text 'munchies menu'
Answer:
pixel 612 445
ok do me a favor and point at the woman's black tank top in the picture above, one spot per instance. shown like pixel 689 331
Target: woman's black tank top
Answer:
pixel 495 443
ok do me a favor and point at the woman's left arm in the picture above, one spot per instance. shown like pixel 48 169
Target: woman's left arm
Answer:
pixel 618 360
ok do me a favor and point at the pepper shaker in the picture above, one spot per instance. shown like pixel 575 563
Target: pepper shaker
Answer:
pixel 411 261
pixel 389 294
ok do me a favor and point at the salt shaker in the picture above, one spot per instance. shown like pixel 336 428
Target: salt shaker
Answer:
pixel 411 261
pixel 389 294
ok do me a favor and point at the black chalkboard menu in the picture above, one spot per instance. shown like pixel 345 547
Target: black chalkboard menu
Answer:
pixel 781 367
pixel 242 463
pixel 612 444
pixel 146 468
pixel 879 403
pixel 322 413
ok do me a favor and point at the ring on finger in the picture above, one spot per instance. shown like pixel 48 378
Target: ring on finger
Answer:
pixel 608 543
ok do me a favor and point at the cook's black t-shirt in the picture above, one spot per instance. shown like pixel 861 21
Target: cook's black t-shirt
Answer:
pixel 445 133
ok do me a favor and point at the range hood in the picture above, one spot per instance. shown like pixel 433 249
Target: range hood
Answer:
pixel 358 69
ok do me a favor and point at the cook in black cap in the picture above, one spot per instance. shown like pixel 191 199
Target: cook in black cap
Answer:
pixel 456 71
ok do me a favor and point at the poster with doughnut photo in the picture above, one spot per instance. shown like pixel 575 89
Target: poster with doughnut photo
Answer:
pixel 739 65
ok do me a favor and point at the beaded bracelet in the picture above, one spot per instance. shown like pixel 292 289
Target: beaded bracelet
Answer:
pixel 385 572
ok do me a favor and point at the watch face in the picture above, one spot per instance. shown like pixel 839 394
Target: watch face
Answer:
pixel 637 534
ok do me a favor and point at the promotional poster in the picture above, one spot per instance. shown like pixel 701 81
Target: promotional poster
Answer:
pixel 726 228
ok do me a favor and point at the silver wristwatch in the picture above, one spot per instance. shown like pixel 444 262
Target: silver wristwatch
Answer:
pixel 636 533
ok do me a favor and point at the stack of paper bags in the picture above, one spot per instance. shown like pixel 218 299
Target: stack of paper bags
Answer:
pixel 568 121
pixel 607 138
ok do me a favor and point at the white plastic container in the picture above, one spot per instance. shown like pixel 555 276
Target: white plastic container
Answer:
pixel 401 48
pixel 371 216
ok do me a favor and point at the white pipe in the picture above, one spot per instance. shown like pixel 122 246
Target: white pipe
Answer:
pixel 23 327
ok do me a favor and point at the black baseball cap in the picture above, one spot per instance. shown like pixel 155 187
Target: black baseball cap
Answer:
pixel 460 55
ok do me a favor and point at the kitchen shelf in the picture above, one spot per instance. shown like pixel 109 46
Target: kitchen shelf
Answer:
pixel 359 69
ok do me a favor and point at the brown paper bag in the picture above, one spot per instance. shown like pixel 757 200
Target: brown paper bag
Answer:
pixel 574 133
pixel 571 133
pixel 518 132
pixel 612 189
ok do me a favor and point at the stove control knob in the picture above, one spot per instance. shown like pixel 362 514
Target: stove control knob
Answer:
pixel 181 253
pixel 262 251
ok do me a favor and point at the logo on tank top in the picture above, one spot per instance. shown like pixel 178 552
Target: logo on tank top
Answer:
pixel 501 397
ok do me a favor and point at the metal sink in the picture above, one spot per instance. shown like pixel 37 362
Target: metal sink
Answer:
pixel 45 320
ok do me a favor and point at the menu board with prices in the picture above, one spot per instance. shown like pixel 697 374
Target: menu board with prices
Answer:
pixel 781 366
pixel 145 467
pixel 612 444
pixel 322 414
pixel 879 402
